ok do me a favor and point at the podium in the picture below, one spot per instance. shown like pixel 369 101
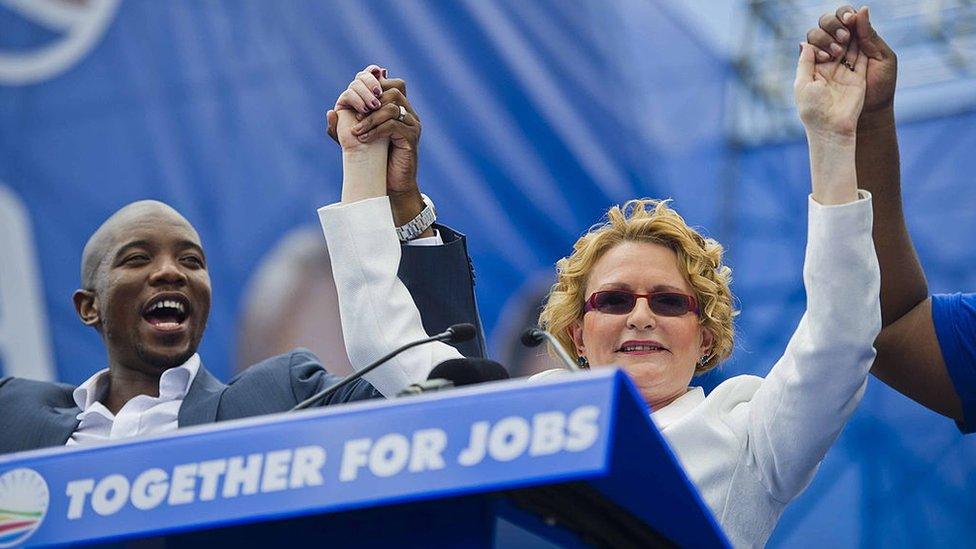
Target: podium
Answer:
pixel 568 461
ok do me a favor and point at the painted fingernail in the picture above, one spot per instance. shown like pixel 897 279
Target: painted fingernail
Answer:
pixel 836 49
pixel 377 92
pixel 842 36
pixel 375 103
pixel 822 56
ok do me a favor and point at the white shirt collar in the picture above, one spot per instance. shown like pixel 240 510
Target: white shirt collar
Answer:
pixel 678 408
pixel 174 384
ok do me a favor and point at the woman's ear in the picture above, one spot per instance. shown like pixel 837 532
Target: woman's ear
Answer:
pixel 707 341
pixel 576 332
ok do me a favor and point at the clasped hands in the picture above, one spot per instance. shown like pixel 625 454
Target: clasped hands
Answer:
pixel 830 42
pixel 374 116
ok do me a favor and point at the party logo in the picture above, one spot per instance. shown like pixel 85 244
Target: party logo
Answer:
pixel 75 25
pixel 24 499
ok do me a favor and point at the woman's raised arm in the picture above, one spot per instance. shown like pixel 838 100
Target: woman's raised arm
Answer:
pixel 808 396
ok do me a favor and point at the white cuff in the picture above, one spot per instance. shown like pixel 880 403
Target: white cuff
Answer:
pixel 435 240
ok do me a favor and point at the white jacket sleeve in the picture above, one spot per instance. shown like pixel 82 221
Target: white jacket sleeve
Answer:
pixel 377 312
pixel 807 398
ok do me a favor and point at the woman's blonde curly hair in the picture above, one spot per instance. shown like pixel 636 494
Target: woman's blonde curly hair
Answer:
pixel 646 220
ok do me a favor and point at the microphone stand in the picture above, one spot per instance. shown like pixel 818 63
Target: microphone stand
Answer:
pixel 534 336
pixel 453 334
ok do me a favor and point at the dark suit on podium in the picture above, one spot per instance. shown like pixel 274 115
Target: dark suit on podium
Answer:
pixel 35 414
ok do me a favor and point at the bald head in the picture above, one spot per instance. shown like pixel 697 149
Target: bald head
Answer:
pixel 116 227
pixel 144 255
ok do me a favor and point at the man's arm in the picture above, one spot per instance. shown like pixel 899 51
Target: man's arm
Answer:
pixel 909 358
pixel 903 283
pixel 910 361
pixel 441 281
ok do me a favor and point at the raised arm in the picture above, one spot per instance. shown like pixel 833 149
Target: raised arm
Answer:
pixel 804 402
pixel 363 162
pixel 903 284
pixel 378 313
pixel 829 97
pixel 909 357
pixel 440 278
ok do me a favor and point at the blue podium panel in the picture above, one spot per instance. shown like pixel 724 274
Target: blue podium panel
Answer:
pixel 588 428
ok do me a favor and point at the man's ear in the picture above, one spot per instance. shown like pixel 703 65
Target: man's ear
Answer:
pixel 87 308
pixel 576 332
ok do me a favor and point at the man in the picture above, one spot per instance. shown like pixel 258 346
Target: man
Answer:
pixel 146 291
pixel 927 347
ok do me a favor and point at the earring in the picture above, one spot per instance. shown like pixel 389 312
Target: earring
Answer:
pixel 583 363
pixel 704 360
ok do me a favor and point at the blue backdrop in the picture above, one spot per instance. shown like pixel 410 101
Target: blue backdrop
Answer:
pixel 537 116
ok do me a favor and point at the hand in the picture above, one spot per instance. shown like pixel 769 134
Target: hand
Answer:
pixel 363 164
pixel 830 95
pixel 402 161
pixel 830 39
pixel 359 98
pixel 382 122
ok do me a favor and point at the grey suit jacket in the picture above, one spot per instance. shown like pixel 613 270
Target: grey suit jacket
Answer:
pixel 36 414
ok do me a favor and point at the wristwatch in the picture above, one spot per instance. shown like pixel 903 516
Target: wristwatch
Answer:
pixel 413 228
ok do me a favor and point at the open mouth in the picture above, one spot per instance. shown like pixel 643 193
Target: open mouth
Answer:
pixel 167 312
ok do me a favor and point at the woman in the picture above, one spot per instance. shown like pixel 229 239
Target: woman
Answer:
pixel 645 292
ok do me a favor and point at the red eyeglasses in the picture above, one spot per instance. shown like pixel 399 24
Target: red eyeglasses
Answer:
pixel 621 302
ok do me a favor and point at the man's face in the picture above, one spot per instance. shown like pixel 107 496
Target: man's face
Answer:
pixel 152 291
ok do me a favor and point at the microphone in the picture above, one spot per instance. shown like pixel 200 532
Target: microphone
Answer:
pixel 468 371
pixel 455 334
pixel 457 372
pixel 533 337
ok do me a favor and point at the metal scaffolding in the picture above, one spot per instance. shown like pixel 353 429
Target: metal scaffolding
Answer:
pixel 935 41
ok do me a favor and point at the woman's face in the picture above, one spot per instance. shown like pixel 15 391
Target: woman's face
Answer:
pixel 663 372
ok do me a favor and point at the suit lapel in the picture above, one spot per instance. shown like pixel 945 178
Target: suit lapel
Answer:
pixel 201 402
